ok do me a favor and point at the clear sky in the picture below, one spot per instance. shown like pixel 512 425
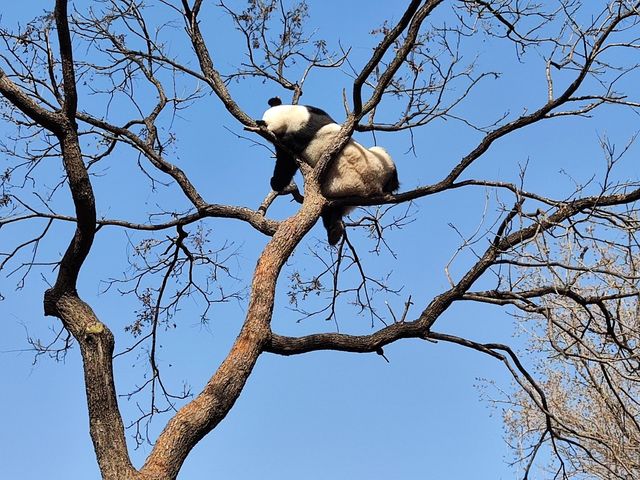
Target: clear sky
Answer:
pixel 426 413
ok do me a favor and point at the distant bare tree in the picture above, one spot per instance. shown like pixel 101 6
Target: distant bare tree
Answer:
pixel 79 87
pixel 579 305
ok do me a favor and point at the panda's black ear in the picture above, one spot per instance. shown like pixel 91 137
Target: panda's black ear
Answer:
pixel 274 102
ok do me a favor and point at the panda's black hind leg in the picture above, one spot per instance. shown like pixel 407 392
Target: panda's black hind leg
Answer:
pixel 332 221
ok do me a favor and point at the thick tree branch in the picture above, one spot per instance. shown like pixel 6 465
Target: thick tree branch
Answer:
pixel 379 53
pixel 206 64
pixel 420 327
pixel 154 157
pixel 96 341
pixel 400 58
pixel 542 113
pixel 66 54
pixel 201 415
pixel 9 90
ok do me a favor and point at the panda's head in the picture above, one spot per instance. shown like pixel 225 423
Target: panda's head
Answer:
pixel 286 119
pixel 290 120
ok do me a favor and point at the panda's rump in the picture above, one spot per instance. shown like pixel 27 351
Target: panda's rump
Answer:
pixel 357 172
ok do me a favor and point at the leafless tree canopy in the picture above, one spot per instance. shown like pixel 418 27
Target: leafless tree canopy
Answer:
pixel 81 85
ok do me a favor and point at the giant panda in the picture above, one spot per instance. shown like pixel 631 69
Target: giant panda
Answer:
pixel 307 132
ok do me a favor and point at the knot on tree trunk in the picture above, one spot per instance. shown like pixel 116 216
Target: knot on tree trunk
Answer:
pixel 50 302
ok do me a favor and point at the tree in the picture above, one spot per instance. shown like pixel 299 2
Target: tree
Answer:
pixel 104 82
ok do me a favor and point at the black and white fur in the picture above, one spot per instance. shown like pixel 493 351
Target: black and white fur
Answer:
pixel 307 132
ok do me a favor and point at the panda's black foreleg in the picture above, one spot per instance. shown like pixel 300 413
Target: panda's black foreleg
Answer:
pixel 332 221
pixel 284 170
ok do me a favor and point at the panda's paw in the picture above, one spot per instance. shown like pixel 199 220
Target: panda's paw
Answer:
pixel 335 232
pixel 277 185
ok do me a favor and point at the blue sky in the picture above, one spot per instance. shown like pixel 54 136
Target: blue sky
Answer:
pixel 329 415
